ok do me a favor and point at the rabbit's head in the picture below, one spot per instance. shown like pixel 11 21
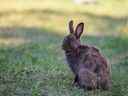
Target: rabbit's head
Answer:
pixel 72 40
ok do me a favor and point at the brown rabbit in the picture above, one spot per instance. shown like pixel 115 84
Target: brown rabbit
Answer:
pixel 90 68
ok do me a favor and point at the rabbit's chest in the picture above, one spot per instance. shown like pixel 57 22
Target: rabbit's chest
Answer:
pixel 73 62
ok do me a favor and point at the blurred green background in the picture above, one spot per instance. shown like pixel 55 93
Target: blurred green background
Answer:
pixel 32 62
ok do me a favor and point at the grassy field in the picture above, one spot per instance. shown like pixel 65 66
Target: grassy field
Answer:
pixel 32 62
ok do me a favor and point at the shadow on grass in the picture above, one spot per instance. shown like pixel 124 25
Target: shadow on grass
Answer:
pixel 111 45
pixel 37 67
pixel 30 34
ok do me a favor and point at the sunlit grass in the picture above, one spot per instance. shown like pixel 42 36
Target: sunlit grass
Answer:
pixel 12 41
pixel 106 17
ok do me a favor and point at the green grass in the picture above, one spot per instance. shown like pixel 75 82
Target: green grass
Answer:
pixel 32 62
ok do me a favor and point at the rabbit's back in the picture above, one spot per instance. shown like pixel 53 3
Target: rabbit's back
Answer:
pixel 94 61
pixel 91 58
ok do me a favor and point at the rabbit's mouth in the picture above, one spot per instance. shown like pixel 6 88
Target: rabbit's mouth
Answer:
pixel 69 44
pixel 66 47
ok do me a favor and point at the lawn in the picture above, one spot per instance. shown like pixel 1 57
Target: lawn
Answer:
pixel 32 62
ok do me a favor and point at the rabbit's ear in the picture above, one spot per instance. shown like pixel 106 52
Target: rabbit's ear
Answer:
pixel 79 30
pixel 71 29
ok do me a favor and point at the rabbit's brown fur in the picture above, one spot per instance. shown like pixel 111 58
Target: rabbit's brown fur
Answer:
pixel 90 68
pixel 90 82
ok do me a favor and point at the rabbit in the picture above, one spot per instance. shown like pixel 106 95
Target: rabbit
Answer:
pixel 85 61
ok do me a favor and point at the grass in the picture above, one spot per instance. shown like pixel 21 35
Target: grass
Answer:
pixel 31 32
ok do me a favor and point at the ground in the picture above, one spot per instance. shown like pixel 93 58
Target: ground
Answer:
pixel 32 62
